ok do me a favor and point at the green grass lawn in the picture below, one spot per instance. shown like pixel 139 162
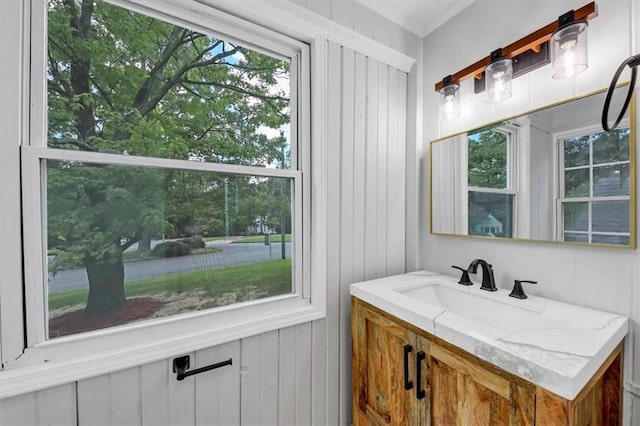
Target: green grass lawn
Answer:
pixel 273 277
pixel 275 238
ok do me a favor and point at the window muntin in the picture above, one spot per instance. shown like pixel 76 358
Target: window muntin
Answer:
pixel 491 182
pixel 595 186
pixel 284 164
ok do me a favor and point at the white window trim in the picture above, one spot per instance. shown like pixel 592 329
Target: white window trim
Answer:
pixel 63 360
pixel 559 187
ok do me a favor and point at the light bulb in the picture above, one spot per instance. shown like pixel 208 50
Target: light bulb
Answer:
pixel 569 50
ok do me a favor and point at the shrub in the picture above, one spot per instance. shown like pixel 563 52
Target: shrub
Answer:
pixel 195 242
pixel 171 249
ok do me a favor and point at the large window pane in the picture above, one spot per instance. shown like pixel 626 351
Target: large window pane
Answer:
pixel 611 180
pixel 575 237
pixel 575 216
pixel 611 216
pixel 576 151
pixel 487 159
pixel 609 147
pixel 123 82
pixel 490 214
pixel 128 243
pixel 622 240
pixel 576 183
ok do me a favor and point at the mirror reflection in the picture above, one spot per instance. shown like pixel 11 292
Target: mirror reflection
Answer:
pixel 551 174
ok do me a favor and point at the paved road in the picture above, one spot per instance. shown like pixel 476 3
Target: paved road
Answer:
pixel 229 254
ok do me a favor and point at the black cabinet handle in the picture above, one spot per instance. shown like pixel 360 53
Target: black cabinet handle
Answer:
pixel 420 393
pixel 408 384
pixel 181 364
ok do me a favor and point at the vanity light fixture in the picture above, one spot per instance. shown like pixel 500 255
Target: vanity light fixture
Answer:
pixel 568 34
pixel 497 78
pixel 569 46
pixel 449 99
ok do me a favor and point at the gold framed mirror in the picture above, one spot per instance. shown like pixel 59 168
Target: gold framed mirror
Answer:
pixel 551 175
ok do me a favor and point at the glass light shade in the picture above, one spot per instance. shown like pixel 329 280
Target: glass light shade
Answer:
pixel 449 101
pixel 569 46
pixel 497 78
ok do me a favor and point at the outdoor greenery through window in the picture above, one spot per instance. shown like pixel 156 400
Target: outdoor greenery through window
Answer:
pixel 139 241
pixel 595 189
pixel 490 196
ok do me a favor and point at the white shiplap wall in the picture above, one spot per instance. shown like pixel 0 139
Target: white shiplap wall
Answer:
pixel 366 141
pixel 268 383
pixel 607 279
pixel 297 375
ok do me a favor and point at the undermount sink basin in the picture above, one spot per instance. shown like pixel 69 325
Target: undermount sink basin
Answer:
pixel 475 307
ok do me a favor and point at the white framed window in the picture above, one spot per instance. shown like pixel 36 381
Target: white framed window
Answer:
pixel 150 165
pixel 594 185
pixel 492 161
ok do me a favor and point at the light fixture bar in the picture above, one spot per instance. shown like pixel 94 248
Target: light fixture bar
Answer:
pixel 532 41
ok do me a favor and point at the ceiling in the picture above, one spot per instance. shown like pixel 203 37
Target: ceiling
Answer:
pixel 418 16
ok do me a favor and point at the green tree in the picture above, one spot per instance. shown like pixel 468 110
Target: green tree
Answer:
pixel 124 83
pixel 487 159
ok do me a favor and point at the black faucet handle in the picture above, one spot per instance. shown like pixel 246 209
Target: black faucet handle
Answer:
pixel 464 279
pixel 517 291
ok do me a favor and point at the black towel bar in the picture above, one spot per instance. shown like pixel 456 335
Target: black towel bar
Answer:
pixel 181 364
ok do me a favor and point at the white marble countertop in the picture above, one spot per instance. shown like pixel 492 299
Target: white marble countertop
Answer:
pixel 552 344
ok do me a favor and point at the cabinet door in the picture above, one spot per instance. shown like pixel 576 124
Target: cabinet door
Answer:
pixel 463 393
pixel 380 394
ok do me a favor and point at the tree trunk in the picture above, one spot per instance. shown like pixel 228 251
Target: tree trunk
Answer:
pixel 144 245
pixel 106 283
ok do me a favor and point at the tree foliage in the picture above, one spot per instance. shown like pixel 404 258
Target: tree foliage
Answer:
pixel 487 159
pixel 124 83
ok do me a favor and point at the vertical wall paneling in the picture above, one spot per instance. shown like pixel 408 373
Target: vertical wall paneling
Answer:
pixel 396 174
pixel 259 379
pixel 125 397
pixel 94 405
pixel 217 392
pixel 371 179
pixel 319 372
pixel 112 399
pixel 347 192
pixel 381 231
pixel 342 12
pixel 56 406
pixel 333 228
pixel 154 393
pixel 359 167
pixel 182 397
pixel 286 376
pixel 19 411
pixel 303 367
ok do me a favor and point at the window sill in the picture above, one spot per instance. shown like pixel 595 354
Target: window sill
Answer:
pixel 102 352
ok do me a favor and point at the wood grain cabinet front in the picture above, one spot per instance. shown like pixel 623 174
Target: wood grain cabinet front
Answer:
pixel 405 376
pixel 390 385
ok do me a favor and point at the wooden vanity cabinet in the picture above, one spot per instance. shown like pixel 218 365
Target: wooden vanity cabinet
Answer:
pixel 386 389
pixel 458 387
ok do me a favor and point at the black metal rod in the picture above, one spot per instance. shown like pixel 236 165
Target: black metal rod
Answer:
pixel 420 393
pixel 408 384
pixel 181 364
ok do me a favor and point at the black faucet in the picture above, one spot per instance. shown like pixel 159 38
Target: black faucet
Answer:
pixel 488 282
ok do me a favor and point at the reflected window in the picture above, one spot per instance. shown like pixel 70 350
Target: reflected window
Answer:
pixel 594 186
pixel 491 181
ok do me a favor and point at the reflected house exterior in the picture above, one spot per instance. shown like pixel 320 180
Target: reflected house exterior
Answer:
pixel 489 226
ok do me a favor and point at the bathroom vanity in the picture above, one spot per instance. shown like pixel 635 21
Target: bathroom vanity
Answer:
pixel 427 350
